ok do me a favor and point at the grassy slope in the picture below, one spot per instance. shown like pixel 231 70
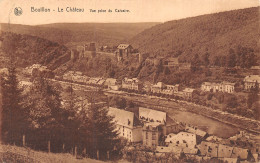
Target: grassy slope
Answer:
pixel 40 156
pixel 216 33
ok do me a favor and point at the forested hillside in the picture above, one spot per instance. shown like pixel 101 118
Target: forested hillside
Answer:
pixel 226 39
pixel 67 33
pixel 31 49
pixel 213 33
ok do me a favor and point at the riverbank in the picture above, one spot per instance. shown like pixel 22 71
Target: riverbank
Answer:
pixel 167 105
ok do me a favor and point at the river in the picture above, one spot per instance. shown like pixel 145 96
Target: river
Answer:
pixel 178 112
pixel 209 125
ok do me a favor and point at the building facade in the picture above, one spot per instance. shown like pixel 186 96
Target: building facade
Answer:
pixel 112 84
pixel 181 139
pixel 162 88
pixel 227 87
pixel 151 134
pixel 127 125
pixel 156 125
pixel 132 84
pixel 188 93
pixel 250 81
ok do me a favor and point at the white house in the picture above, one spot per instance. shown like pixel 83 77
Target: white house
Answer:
pixel 112 84
pixel 224 86
pixel 181 139
pixel 127 124
pixel 251 80
pixel 132 84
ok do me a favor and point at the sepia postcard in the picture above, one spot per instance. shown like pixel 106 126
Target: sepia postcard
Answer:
pixel 142 81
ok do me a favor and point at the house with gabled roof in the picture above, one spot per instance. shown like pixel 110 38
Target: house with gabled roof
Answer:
pixel 112 84
pixel 239 152
pixel 215 150
pixel 224 151
pixel 208 149
pixel 127 124
pixel 184 139
pixel 132 84
pixel 157 125
pixel 188 93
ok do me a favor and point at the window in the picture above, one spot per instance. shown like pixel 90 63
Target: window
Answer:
pixel 209 149
pixel 146 135
pixel 153 136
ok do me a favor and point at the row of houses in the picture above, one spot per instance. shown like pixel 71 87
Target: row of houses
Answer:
pixel 204 147
pixel 224 86
pixel 160 88
pixel 129 84
pixel 77 76
pixel 165 89
pixel 228 87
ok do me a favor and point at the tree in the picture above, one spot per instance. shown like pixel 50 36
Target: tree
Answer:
pixel 195 63
pixel 206 59
pixel 256 109
pixel 253 95
pixel 166 71
pixel 100 132
pixel 223 61
pixel 216 61
pixel 71 119
pixel 231 59
pixel 14 113
pixel 118 102
pixel 231 102
pixel 245 57
pixel 46 114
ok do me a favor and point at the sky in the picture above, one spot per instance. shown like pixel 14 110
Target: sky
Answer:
pixel 139 10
